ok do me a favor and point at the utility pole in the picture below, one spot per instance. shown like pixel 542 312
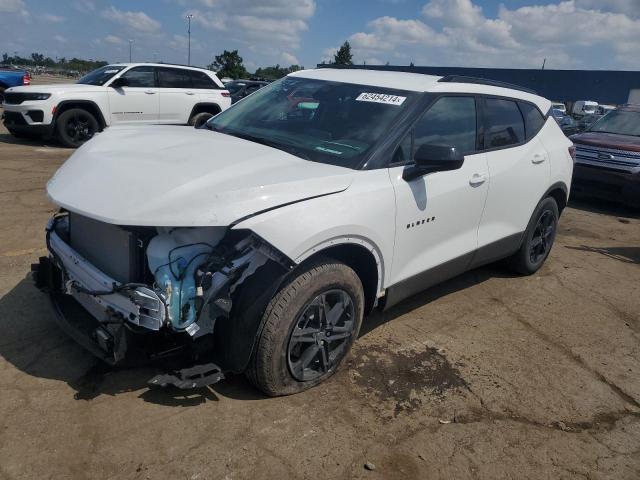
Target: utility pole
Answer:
pixel 130 43
pixel 189 17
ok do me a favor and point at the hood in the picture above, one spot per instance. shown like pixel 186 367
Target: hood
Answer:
pixel 608 140
pixel 182 176
pixel 55 88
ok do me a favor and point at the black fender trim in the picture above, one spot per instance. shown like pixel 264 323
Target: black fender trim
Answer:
pixel 101 120
pixel 204 106
pixel 557 186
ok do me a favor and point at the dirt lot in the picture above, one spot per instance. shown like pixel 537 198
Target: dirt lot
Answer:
pixel 487 376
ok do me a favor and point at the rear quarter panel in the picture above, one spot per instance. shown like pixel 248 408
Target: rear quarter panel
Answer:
pixel 557 146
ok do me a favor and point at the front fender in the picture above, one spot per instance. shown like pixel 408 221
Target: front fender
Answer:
pixel 363 214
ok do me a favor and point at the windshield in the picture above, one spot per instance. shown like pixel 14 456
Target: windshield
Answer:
pixel 328 122
pixel 100 76
pixel 620 122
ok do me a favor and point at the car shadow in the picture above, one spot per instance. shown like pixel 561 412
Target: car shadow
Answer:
pixel 32 342
pixel 9 139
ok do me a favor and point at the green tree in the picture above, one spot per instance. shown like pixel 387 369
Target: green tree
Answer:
pixel 229 64
pixel 343 56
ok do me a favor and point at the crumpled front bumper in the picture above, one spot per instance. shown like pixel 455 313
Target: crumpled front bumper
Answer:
pixel 109 341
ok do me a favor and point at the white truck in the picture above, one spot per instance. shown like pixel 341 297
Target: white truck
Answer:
pixel 128 93
pixel 584 107
pixel 260 242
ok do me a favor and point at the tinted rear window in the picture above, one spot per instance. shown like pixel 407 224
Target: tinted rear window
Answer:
pixel 201 80
pixel 173 78
pixel 533 119
pixel 503 122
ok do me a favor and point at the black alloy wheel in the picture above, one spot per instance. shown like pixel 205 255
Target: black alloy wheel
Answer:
pixel 542 238
pixel 321 336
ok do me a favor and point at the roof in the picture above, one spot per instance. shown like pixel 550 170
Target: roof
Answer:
pixel 416 82
pixel 151 64
pixel 399 80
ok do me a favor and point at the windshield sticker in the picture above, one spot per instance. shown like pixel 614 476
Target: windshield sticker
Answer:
pixel 381 98
pixel 329 150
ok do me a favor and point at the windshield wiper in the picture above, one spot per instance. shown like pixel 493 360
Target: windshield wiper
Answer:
pixel 268 143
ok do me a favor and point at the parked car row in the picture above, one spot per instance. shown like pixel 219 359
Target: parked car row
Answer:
pixel 120 94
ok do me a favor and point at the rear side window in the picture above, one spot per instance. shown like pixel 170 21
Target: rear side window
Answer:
pixel 173 78
pixel 449 121
pixel 503 123
pixel 201 80
pixel 533 119
pixel 141 77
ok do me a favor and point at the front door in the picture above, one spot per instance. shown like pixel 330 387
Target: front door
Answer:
pixel 138 102
pixel 437 215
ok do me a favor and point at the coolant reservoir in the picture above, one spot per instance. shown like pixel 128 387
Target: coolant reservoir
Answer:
pixel 174 256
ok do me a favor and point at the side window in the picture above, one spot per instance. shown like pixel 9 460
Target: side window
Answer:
pixel 201 80
pixel 143 77
pixel 503 123
pixel 449 121
pixel 533 119
pixel 173 78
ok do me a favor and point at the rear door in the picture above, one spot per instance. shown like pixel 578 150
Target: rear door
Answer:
pixel 437 215
pixel 177 97
pixel 137 102
pixel 519 171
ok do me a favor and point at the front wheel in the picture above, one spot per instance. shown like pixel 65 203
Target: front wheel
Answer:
pixel 199 119
pixel 538 238
pixel 75 126
pixel 309 327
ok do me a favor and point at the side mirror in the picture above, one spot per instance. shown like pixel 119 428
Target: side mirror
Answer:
pixel 119 83
pixel 431 158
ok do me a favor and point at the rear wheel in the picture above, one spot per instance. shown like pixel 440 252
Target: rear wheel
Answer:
pixel 199 119
pixel 309 327
pixel 75 126
pixel 538 238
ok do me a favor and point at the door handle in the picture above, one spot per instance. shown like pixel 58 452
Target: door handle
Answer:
pixel 150 92
pixel 477 179
pixel 538 158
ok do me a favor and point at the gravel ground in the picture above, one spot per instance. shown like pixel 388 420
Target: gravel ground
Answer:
pixel 486 376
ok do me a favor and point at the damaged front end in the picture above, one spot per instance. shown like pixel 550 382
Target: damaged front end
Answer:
pixel 136 294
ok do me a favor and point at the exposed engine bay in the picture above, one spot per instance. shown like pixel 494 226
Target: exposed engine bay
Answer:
pixel 163 288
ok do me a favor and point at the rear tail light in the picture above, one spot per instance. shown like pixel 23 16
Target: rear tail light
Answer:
pixel 225 93
pixel 572 152
pixel 26 79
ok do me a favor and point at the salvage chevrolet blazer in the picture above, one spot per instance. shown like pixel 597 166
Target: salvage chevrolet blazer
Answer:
pixel 258 242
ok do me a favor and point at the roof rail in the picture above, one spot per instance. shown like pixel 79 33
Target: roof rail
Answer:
pixel 484 81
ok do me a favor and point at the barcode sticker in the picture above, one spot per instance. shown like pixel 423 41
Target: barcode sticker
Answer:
pixel 381 98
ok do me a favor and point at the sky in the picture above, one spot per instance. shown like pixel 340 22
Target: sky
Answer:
pixel 570 34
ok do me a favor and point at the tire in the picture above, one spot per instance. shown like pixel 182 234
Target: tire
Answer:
pixel 75 126
pixel 284 361
pixel 538 239
pixel 199 119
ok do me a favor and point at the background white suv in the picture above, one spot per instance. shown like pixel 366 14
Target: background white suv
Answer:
pixel 135 93
pixel 294 213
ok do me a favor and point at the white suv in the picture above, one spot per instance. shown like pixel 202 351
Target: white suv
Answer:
pixel 257 243
pixel 132 93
